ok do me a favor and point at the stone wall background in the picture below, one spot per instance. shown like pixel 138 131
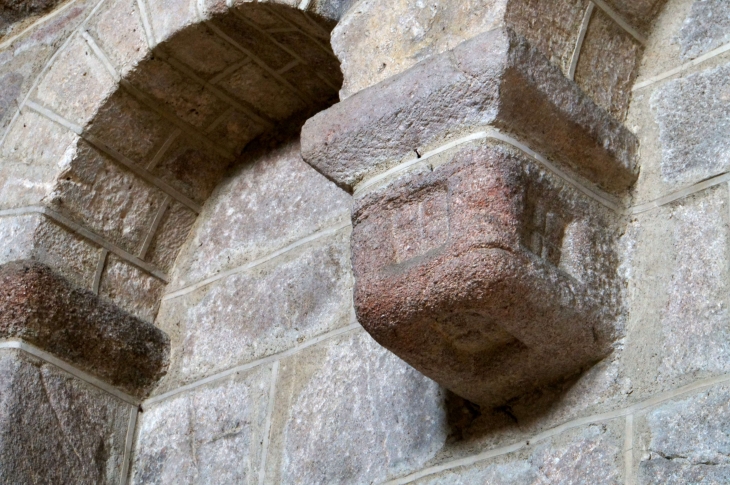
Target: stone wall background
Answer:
pixel 273 381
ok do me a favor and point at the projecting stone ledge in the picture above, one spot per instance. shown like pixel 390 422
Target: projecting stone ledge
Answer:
pixel 45 310
pixel 495 79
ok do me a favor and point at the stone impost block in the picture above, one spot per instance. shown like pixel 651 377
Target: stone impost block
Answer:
pixel 44 309
pixel 495 79
pixel 488 275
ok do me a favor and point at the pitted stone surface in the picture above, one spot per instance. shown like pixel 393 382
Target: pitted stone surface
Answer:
pixel 495 79
pixel 212 434
pixel 119 32
pixel 688 440
pixel 271 201
pixel 45 310
pixel 706 28
pixel 262 311
pixel 591 455
pixel 695 143
pixel 380 417
pixel 133 289
pixel 16 233
pixel 639 13
pixel 488 275
pixel 55 428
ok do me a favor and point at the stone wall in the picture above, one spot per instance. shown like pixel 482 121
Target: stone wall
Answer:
pixel 169 182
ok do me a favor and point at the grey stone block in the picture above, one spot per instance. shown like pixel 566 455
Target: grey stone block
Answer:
pixel 688 440
pixel 590 455
pixel 495 79
pixel 55 428
pixel 47 311
pixel 348 411
pixel 706 27
pixel 695 142
pixel 212 434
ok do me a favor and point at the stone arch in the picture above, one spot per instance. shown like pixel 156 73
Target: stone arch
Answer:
pixel 134 121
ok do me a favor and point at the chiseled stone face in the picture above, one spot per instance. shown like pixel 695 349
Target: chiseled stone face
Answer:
pixel 687 440
pixel 348 411
pixel 55 428
pixel 487 274
pixel 706 28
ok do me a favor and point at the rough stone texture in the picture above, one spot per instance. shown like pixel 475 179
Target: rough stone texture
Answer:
pixel 167 17
pixel 16 233
pixel 695 143
pixel 131 288
pixel 271 201
pixel 687 440
pixel 47 311
pixel 377 39
pixel 262 311
pixel 170 236
pixel 68 254
pixel 677 281
pixel 75 83
pixel 119 32
pixel 639 13
pixel 381 418
pixel 32 156
pixel 494 79
pixel 608 64
pixel 487 274
pixel 706 27
pixel 18 12
pixel 212 434
pixel 111 201
pixel 590 455
pixel 55 428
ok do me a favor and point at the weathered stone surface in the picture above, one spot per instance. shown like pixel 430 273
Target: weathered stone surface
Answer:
pixel 591 455
pixel 170 16
pixel 182 96
pixel 55 428
pixel 688 440
pixel 608 64
pixel 99 194
pixel 129 127
pixel 488 275
pixel 75 83
pixel 236 131
pixel 376 39
pixel 273 200
pixel 119 32
pixel 695 143
pixel 171 234
pixel 16 234
pixel 676 269
pixel 381 418
pixel 131 288
pixel 212 434
pixel 32 156
pixel 264 310
pixel 66 253
pixel 495 79
pixel 14 12
pixel 706 27
pixel 639 13
pixel 45 310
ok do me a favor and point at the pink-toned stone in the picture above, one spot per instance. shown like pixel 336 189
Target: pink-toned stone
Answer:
pixel 132 289
pixel 171 234
pixel 119 32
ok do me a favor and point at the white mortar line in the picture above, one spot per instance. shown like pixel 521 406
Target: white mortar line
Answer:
pixel 163 149
pixel 100 264
pixel 629 450
pixel 153 228
pixel 229 70
pixel 101 55
pixel 680 194
pixel 56 118
pixel 39 21
pixel 327 49
pixel 87 234
pixel 621 21
pixel 267 423
pixel 251 365
pixel 260 62
pixel 252 264
pixel 46 67
pixel 603 199
pixel 18 344
pixel 304 5
pixel 686 66
pixel 146 24
pixel 128 442
pixel 220 119
pixel 580 40
pixel 576 423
